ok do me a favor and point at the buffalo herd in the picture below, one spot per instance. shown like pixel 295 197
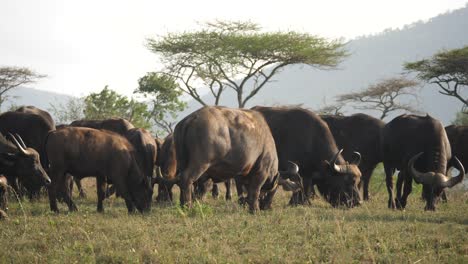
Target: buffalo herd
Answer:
pixel 258 149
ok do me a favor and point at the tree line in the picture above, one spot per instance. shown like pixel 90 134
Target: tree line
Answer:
pixel 242 57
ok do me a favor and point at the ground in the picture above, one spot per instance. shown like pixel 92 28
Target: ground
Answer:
pixel 217 231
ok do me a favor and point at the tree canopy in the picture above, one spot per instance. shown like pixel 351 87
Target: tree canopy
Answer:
pixel 448 69
pixel 165 102
pixel 383 96
pixel 109 104
pixel 13 77
pixel 238 56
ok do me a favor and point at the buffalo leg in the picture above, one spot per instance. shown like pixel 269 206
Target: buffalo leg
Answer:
pixel 164 193
pixel 81 191
pixel 389 182
pixel 67 193
pixel 130 206
pixel 253 194
pixel 240 191
pixel 408 188
pixel 365 180
pixel 399 189
pixel 228 189
pixel 188 176
pixel 215 191
pixel 101 192
pixel 265 203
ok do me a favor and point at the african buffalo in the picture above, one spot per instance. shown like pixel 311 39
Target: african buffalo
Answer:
pixel 304 138
pixel 37 111
pixel 418 147
pixel 458 137
pixel 18 162
pixel 361 133
pixel 33 128
pixel 226 143
pixel 110 157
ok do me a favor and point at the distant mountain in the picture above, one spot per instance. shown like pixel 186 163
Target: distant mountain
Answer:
pixel 372 58
pixel 38 98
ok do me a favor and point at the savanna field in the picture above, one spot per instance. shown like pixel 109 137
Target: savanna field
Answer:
pixel 216 231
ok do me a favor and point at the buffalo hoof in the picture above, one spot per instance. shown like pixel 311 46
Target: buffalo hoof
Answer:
pixel 242 200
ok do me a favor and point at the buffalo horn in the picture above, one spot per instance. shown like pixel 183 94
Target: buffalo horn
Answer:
pixel 293 168
pixel 336 167
pixel 21 140
pixel 450 182
pixel 357 158
pixel 420 177
pixel 18 145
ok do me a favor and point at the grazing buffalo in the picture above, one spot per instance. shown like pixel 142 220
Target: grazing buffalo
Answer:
pixel 361 133
pixel 18 162
pixel 107 155
pixel 304 138
pixel 33 127
pixel 418 147
pixel 167 163
pixel 117 125
pixel 458 137
pixel 145 147
pixel 226 143
pixel 3 193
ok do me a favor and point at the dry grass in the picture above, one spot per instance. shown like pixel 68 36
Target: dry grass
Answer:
pixel 217 231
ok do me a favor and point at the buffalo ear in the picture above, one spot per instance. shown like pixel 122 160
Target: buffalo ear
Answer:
pixel 8 159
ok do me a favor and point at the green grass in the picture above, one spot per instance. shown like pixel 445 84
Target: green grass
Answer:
pixel 217 231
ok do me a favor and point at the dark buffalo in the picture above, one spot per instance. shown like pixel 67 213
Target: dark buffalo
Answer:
pixel 18 162
pixel 33 128
pixel 418 147
pixel 458 137
pixel 304 138
pixel 226 143
pixel 107 155
pixel 37 111
pixel 145 147
pixel 361 133
pixel 117 125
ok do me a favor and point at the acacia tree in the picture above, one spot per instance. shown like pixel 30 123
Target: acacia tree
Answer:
pixel 447 69
pixel 332 109
pixel 238 56
pixel 383 96
pixel 164 95
pixel 13 77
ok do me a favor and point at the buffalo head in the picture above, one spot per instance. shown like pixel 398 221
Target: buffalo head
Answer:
pixel 25 163
pixel 433 182
pixel 340 181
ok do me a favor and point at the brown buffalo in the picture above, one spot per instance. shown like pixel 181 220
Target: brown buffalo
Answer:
pixel 18 162
pixel 33 128
pixel 107 155
pixel 418 147
pixel 226 143
pixel 458 137
pixel 361 133
pixel 304 138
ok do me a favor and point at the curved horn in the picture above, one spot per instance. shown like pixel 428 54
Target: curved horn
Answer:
pixel 357 158
pixel 419 177
pixel 21 140
pixel 293 168
pixel 450 182
pixel 18 145
pixel 336 167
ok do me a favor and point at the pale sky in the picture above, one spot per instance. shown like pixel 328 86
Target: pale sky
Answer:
pixel 84 45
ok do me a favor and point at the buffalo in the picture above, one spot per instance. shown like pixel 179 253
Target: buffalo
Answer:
pixel 304 138
pixel 18 162
pixel 361 133
pixel 458 137
pixel 107 155
pixel 226 143
pixel 33 126
pixel 418 147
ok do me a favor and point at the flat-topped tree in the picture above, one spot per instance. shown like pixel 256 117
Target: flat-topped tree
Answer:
pixel 383 96
pixel 239 56
pixel 448 69
pixel 14 77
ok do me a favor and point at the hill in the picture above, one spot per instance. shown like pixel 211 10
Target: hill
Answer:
pixel 372 58
pixel 30 96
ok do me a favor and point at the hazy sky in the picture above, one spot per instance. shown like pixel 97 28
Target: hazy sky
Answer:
pixel 84 45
